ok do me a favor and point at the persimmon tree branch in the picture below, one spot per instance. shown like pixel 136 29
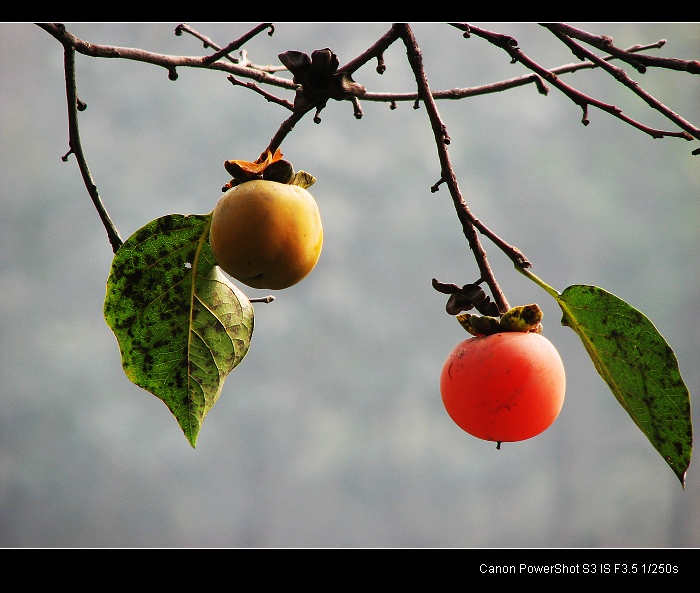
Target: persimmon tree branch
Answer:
pixel 254 87
pixel 620 75
pixel 442 139
pixel 503 85
pixel 170 63
pixel 375 51
pixel 638 61
pixel 238 43
pixel 262 74
pixel 342 87
pixel 76 147
pixel 243 60
pixel 510 45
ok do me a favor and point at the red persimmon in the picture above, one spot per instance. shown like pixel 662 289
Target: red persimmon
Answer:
pixel 504 387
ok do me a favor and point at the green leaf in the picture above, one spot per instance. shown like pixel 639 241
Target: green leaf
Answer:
pixel 638 365
pixel 636 362
pixel 181 325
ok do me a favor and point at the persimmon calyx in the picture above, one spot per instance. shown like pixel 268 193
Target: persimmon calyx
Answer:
pixel 479 325
pixel 268 166
pixel 523 318
pixel 463 298
pixel 319 78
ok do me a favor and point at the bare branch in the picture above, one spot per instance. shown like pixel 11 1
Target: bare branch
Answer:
pixel 221 60
pixel 77 149
pixel 503 85
pixel 510 45
pixel 170 63
pixel 262 74
pixel 442 139
pixel 242 61
pixel 622 77
pixel 286 127
pixel 252 86
pixel 375 51
pixel 266 299
pixel 638 61
pixel 234 45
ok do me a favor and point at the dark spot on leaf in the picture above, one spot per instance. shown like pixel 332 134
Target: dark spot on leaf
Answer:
pixel 150 258
pixel 165 223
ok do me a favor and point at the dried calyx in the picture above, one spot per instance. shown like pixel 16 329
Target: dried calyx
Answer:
pixel 464 298
pixel 269 167
pixel 319 78
pixel 524 318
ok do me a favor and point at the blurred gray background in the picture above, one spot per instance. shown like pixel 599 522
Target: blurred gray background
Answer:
pixel 331 433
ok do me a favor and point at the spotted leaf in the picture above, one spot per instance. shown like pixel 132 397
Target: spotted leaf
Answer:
pixel 639 367
pixel 181 325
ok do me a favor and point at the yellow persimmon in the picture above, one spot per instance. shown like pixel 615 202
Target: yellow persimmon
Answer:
pixel 266 234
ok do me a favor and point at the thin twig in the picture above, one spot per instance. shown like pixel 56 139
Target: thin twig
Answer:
pixel 638 61
pixel 170 63
pixel 266 299
pixel 262 75
pixel 234 45
pixel 621 76
pixel 242 61
pixel 253 87
pixel 442 139
pixel 285 127
pixel 510 45
pixel 375 51
pixel 502 85
pixel 77 149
